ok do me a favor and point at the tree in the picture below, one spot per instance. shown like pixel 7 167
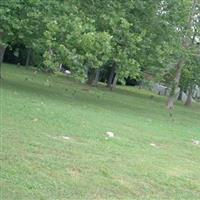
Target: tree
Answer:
pixel 73 41
pixel 89 44
pixel 24 21
pixel 190 77
pixel 186 32
pixel 112 18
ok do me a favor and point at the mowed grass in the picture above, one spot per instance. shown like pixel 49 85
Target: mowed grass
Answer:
pixel 38 109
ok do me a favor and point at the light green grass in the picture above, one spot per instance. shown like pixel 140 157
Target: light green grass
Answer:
pixel 37 163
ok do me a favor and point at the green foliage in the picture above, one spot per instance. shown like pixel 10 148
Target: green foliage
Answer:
pixel 135 35
pixel 191 74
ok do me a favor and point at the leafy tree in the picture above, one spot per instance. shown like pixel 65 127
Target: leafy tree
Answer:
pixel 75 42
pixel 24 21
pixel 184 32
pixel 190 78
pixel 111 17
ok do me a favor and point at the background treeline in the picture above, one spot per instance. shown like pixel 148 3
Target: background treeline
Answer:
pixel 112 41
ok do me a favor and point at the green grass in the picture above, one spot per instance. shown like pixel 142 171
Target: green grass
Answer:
pixel 37 110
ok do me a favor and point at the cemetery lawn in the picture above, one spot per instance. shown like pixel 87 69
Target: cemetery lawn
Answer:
pixel 150 157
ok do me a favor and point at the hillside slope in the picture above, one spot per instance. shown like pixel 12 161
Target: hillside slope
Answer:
pixel 54 143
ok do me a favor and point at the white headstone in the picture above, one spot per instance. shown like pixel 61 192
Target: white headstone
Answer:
pixel 67 72
pixel 159 89
pixel 184 97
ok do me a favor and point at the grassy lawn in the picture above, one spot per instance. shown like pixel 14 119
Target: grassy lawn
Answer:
pixel 150 157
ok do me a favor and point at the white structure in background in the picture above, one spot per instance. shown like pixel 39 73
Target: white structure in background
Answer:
pixel 177 92
pixel 160 89
pixel 165 91
pixel 196 92
pixel 183 97
pixel 67 72
pixel 62 69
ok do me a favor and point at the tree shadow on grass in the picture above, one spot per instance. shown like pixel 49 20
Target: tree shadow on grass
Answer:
pixel 77 97
pixel 140 94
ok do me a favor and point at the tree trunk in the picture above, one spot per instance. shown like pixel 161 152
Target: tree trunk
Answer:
pixel 96 79
pixel 28 57
pixel 114 82
pixel 2 51
pixel 111 76
pixel 180 95
pixel 189 97
pixel 170 103
pixel 172 95
pixel 180 64
pixel 91 76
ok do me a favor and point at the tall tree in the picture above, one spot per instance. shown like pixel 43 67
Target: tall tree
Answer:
pixel 186 31
pixel 24 21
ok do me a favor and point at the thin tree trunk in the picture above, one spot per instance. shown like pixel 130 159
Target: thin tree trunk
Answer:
pixel 91 76
pixel 28 57
pixel 2 51
pixel 180 95
pixel 114 82
pixel 181 62
pixel 189 97
pixel 172 95
pixel 111 76
pixel 96 79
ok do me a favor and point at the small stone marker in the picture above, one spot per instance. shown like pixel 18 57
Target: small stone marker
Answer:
pixel 153 145
pixel 110 134
pixel 196 142
pixel 66 138
pixel 67 72
pixel 35 120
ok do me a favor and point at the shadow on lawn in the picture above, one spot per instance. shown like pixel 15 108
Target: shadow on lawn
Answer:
pixel 81 95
